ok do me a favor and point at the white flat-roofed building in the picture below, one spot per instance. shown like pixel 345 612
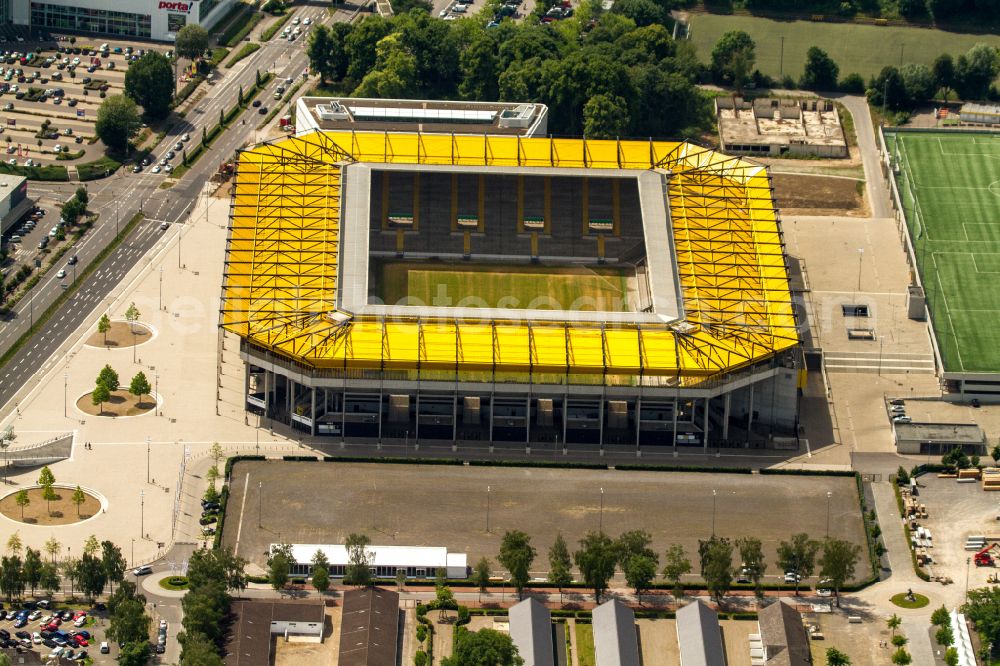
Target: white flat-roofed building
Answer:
pixel 418 561
pixel 428 116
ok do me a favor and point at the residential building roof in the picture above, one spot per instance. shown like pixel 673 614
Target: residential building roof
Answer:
pixel 699 636
pixel 785 640
pixel 369 627
pixel 531 631
pixel 615 640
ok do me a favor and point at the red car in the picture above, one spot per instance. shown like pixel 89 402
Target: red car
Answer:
pixel 80 640
pixel 52 626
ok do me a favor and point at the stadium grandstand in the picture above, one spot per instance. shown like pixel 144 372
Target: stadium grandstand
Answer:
pixel 503 288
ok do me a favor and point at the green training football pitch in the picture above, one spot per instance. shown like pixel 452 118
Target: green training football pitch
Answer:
pixel 505 286
pixel 950 186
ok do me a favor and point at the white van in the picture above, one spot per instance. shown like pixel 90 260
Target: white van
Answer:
pixel 105 648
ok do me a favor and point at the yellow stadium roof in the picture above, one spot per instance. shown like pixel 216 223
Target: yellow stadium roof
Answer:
pixel 280 283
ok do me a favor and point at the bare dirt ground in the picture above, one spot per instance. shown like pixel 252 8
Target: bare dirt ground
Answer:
pixel 60 511
pixel 120 335
pixel 312 654
pixel 817 195
pixel 122 403
pixel 438 505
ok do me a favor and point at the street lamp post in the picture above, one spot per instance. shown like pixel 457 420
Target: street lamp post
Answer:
pixel 714 497
pixel 967 560
pixel 488 489
pixel 142 513
pixel 161 287
pixel 147 459
pixel 881 342
pixel 65 388
pixel 260 494
pixel 600 519
pixel 828 496
pixel 156 390
pixel 133 553
pixel 861 256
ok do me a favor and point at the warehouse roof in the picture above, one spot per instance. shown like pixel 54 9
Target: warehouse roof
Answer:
pixel 531 631
pixel 615 640
pixel 699 636
pixel 369 627
pixel 427 557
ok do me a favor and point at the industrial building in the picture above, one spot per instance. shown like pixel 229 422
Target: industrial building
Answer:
pixel 416 561
pixel 14 202
pixel 257 623
pixel 142 19
pixel 676 326
pixel 369 628
pixel 409 115
pixel 769 127
pixel 980 114
pixel 935 439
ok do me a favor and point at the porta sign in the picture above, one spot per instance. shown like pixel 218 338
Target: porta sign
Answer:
pixel 176 6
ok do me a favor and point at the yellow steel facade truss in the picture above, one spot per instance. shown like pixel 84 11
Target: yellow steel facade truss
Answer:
pixel 280 283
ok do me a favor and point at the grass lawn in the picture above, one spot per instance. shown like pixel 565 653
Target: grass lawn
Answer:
pixel 950 185
pixel 174 583
pixel 585 645
pixel 864 49
pixel 537 287
pixel 919 600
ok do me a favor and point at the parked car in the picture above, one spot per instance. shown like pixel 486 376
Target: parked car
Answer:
pixel 791 577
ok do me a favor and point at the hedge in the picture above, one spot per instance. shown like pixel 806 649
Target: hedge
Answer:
pixel 807 472
pixel 241 27
pixel 395 461
pixel 235 459
pixel 682 468
pixel 98 168
pixel 273 29
pixel 247 49
pixel 539 463
pixel 223 498
pixel 219 54
pixel 50 173
pixel 188 88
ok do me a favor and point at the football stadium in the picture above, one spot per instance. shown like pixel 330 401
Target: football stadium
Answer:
pixel 391 285
pixel 948 183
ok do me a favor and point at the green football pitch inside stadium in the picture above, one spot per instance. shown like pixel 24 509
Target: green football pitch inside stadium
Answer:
pixel 950 187
pixel 505 286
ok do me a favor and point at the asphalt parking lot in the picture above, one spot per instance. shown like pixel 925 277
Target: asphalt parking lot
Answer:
pixel 426 505
pixel 95 628
pixel 74 76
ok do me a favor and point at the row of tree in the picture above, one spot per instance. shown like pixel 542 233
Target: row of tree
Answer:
pixel 212 574
pixel 47 480
pixel 101 565
pixel 600 73
pixel 970 75
pixel 107 379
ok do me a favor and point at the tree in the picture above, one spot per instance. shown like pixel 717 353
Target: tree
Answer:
pixel 944 636
pixel 131 316
pixel 481 575
pixel 139 385
pixel 752 558
pixel 197 650
pixel 516 556
pixel 82 195
pixel 117 121
pixel 103 326
pixel 359 560
pixel 596 560
pixel 821 71
pixel 400 578
pixel 733 58
pixel 918 81
pixel 560 565
pixel 22 500
pixel 52 548
pixel 279 565
pixel 951 657
pixel 835 657
pixel 46 477
pixel 49 494
pixel 71 569
pixel 888 90
pixel 108 377
pixel 113 563
pixel 129 622
pixel 11 577
pixel 976 70
pixel 191 41
pixel 91 546
pixel 478 65
pixel 14 544
pixel 902 476
pixel 150 82
pixel 677 565
pixel 318 50
pixel 212 476
pixel 32 568
pixel 91 576
pixel 49 580
pixel 983 608
pixel 642 12
pixel 79 497
pixel 798 557
pixel 486 647
pixel 605 116
pixel 901 657
pixel 99 396
pixel 939 617
pixel 640 571
pixel 716 556
pixel 944 78
pixel 837 563
pixel 321 572
pixel 893 624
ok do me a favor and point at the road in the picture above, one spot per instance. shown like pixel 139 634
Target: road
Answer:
pixel 118 198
